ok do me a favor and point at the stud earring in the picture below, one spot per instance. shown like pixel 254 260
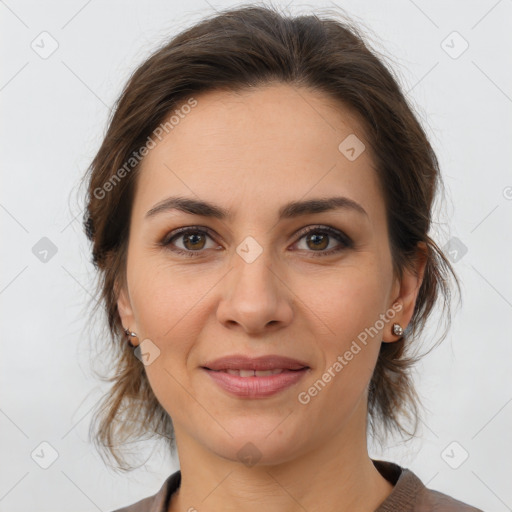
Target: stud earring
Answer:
pixel 397 330
pixel 132 334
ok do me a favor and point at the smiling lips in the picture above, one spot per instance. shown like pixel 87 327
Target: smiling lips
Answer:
pixel 255 377
pixel 240 362
pixel 253 373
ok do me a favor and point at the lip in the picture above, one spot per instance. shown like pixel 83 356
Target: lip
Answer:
pixel 256 387
pixel 293 370
pixel 241 362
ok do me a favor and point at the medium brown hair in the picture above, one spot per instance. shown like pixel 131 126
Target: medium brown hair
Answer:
pixel 234 50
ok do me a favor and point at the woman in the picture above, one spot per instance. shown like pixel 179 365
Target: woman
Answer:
pixel 259 212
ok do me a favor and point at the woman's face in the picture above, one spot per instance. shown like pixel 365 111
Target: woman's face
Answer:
pixel 254 283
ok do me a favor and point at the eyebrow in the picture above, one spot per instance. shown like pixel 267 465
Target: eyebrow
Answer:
pixel 288 211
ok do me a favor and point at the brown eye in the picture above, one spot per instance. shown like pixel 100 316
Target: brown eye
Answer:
pixel 196 241
pixel 193 240
pixel 318 241
pixel 318 238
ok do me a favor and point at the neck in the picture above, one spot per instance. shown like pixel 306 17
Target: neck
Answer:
pixel 336 475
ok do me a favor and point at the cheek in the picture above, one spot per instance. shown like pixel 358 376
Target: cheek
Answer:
pixel 346 313
pixel 166 299
pixel 347 302
pixel 168 312
pixel 171 309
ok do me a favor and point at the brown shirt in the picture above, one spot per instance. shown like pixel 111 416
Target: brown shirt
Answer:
pixel 408 495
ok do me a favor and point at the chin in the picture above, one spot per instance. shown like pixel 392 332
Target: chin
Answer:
pixel 254 444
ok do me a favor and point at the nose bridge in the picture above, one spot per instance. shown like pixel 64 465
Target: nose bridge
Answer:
pixel 254 296
pixel 252 275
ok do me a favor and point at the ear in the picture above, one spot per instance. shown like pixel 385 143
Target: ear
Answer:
pixel 405 293
pixel 125 310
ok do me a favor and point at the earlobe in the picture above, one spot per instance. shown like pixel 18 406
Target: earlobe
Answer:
pixel 409 288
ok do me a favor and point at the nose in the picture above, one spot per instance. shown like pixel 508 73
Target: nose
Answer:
pixel 255 298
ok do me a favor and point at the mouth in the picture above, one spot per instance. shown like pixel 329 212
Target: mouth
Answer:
pixel 241 363
pixel 257 373
pixel 255 377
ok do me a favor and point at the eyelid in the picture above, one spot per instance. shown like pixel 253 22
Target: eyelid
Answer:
pixel 336 233
pixel 339 235
pixel 178 231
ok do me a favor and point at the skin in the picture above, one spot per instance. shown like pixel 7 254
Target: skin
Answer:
pixel 251 153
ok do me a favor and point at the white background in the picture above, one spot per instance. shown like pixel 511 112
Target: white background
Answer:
pixel 54 113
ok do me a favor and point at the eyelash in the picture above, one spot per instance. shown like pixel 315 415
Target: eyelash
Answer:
pixel 338 235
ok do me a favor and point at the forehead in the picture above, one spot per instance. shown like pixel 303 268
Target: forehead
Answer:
pixel 260 148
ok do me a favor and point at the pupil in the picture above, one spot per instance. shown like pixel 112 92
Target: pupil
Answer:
pixel 318 238
pixel 193 237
